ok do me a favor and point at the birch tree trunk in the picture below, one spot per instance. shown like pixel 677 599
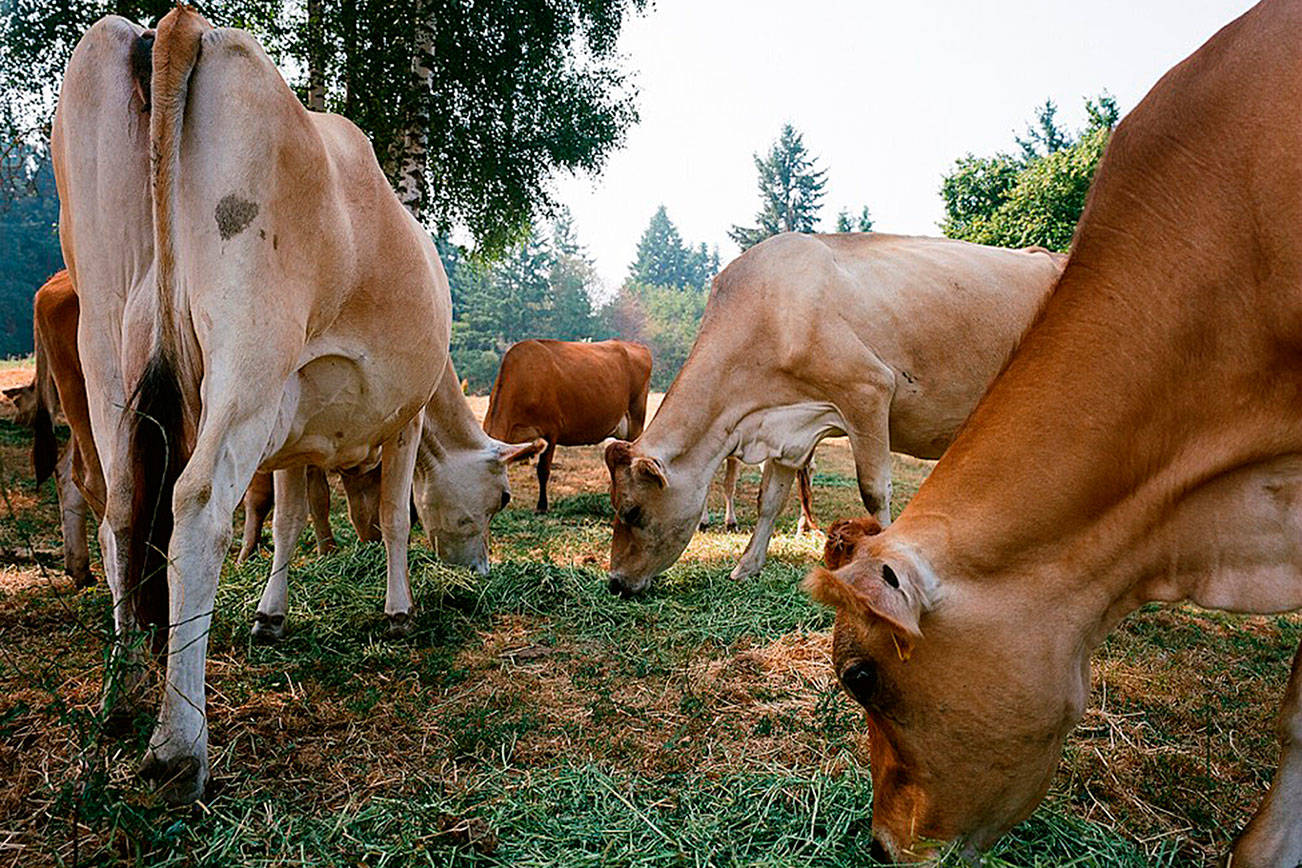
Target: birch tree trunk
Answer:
pixel 315 57
pixel 413 190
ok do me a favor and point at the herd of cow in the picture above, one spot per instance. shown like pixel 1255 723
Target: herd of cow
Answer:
pixel 1118 426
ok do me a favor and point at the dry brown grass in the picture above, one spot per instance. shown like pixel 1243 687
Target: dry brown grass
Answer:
pixel 518 686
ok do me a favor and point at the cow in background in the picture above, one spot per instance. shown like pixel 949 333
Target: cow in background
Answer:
pixel 59 386
pixel 889 340
pixel 569 394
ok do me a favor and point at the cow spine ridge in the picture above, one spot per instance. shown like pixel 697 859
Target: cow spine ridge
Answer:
pixel 157 418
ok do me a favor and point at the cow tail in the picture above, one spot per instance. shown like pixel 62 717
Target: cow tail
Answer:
pixel 157 411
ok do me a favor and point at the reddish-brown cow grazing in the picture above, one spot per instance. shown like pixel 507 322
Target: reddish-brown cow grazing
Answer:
pixel 1143 444
pixel 569 394
pixel 59 385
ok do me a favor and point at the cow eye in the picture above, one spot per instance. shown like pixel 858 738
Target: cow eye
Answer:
pixel 631 516
pixel 506 498
pixel 861 680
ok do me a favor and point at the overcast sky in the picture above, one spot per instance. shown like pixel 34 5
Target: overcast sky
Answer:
pixel 887 95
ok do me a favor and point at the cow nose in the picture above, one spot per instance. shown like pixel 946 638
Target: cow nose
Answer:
pixel 878 852
pixel 616 586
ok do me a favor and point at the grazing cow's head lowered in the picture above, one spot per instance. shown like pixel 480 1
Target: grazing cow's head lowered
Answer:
pixel 966 720
pixel 654 519
pixel 457 492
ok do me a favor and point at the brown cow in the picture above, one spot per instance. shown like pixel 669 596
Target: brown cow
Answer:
pixel 1144 444
pixel 569 394
pixel 59 385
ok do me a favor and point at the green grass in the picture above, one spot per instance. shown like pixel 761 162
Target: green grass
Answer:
pixel 533 719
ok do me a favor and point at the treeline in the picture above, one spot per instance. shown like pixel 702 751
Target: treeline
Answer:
pixel 544 284
pixel 29 246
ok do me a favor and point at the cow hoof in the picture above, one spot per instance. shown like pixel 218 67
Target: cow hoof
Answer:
pixel 730 526
pixel 179 780
pixel 541 509
pixel 327 548
pixel 81 580
pixel 400 624
pixel 705 525
pixel 742 572
pixel 268 629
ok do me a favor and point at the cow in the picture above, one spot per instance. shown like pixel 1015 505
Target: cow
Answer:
pixel 253 296
pixel 569 394
pixel 889 340
pixel 1143 445
pixel 459 484
pixel 59 385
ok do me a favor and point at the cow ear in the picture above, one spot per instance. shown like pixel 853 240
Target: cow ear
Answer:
pixel 872 590
pixel 651 470
pixel 509 453
pixel 14 393
pixel 619 454
pixel 844 536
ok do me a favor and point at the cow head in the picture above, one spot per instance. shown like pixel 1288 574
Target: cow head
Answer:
pixel 25 399
pixel 966 710
pixel 655 517
pixel 457 493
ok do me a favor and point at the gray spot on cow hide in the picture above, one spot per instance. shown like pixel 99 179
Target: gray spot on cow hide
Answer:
pixel 234 215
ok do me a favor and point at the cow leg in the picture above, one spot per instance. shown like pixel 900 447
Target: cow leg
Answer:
pixel 705 512
pixel 1274 837
pixel 286 528
pixel 362 491
pixel 318 499
pixel 258 501
pixel 125 684
pixel 774 488
pixel 397 467
pixel 544 473
pixel 870 441
pixel 805 488
pixel 226 454
pixel 733 466
pixel 72 516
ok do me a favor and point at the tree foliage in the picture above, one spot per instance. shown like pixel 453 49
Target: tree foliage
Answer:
pixel 1035 198
pixel 540 288
pixel 29 248
pixel 519 90
pixel 664 318
pixel 790 188
pixel 663 259
pixel 862 223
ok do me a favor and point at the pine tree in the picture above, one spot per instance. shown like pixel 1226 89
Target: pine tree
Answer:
pixel 664 259
pixel 572 274
pixel 790 188
pixel 845 223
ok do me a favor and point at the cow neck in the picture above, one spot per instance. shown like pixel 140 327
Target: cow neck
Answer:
pixel 691 430
pixel 1133 391
pixel 457 427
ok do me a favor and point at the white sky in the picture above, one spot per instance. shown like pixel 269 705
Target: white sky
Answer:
pixel 887 94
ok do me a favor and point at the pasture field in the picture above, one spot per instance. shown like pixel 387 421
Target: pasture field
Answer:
pixel 533 719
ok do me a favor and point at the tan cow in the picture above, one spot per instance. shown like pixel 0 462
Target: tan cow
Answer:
pixel 459 484
pixel 569 394
pixel 256 297
pixel 887 339
pixel 1144 444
